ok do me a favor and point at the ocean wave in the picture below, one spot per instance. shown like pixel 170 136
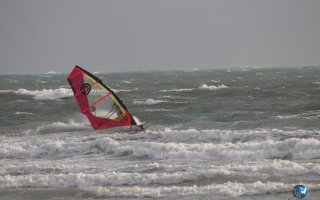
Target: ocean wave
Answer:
pixel 53 127
pixel 292 148
pixel 158 110
pixel 53 72
pixel 137 184
pixel 59 127
pixel 277 167
pixel 201 87
pixel 178 90
pixel 6 91
pixel 208 136
pixel 106 185
pixel 165 173
pixel 125 90
pixel 46 94
pixel 226 189
pixel 62 127
pixel 306 115
pixel 192 135
pixel 21 100
pixel 149 102
pixel 107 178
pixel 167 96
pixel 157 101
pixel 212 87
pixel 23 113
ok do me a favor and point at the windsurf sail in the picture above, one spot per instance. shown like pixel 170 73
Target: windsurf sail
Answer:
pixel 97 101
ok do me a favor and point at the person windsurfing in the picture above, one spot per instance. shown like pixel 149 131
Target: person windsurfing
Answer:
pixel 99 103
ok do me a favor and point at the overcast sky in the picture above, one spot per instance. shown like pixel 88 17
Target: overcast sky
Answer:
pixel 37 36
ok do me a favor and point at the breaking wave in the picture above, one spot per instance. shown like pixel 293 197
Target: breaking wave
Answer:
pixel 53 72
pixel 149 102
pixel 124 90
pixel 153 102
pixel 23 113
pixel 202 87
pixel 54 127
pixel 305 115
pixel 80 160
pixel 178 90
pixel 226 189
pixel 158 110
pixel 46 94
pixel 51 94
pixel 6 91
pixel 212 87
pixel 122 145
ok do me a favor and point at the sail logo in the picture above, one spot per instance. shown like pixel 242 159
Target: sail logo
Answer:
pixel 85 89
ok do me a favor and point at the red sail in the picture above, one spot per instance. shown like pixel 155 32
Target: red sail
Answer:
pixel 97 101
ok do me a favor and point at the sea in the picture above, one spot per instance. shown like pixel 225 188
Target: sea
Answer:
pixel 234 133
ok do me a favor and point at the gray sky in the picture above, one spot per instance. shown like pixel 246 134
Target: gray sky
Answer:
pixel 37 36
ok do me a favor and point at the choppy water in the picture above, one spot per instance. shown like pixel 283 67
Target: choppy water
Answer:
pixel 238 133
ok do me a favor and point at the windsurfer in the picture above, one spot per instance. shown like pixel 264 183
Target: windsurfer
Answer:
pixel 98 102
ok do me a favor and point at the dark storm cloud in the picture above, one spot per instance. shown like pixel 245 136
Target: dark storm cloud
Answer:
pixel 38 35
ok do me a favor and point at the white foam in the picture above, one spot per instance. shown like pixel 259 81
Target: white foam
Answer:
pixel 53 72
pixel 56 127
pixel 167 96
pixel 149 102
pixel 293 148
pixel 124 90
pixel 226 189
pixel 6 91
pixel 159 164
pixel 306 115
pixel 316 82
pixel 178 90
pixel 42 82
pixel 32 173
pixel 13 81
pixel 62 127
pixel 212 87
pixel 137 184
pixel 46 94
pixel 243 68
pixel 106 178
pixel 277 167
pixel 21 100
pixel 65 86
pixel 157 101
pixel 46 76
pixel 22 113
pixel 158 110
pixel 223 136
